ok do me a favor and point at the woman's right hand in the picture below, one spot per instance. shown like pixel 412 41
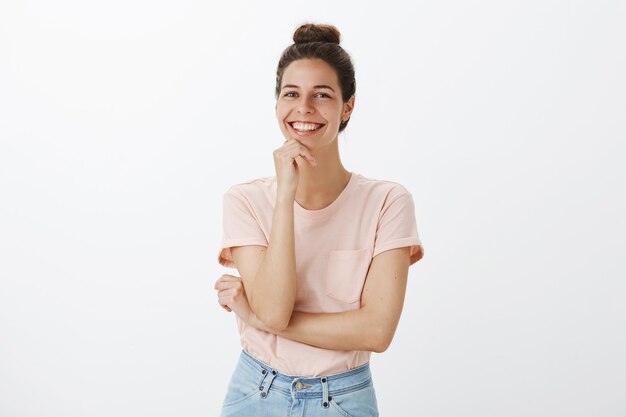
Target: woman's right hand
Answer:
pixel 286 165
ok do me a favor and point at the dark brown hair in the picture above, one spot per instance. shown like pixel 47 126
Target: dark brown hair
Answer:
pixel 320 41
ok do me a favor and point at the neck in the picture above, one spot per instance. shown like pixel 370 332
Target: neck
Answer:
pixel 319 186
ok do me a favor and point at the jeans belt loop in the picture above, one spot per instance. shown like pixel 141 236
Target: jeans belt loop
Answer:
pixel 325 396
pixel 266 386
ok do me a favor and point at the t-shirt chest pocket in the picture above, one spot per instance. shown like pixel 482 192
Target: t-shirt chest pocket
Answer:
pixel 346 272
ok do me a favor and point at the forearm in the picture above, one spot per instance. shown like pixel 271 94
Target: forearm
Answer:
pixel 347 330
pixel 274 286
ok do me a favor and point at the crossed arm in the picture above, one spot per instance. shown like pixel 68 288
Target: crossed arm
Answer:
pixel 371 327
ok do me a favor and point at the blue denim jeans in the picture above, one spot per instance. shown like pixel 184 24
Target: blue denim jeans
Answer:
pixel 257 390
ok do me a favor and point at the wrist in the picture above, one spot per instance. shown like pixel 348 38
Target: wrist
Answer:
pixel 285 197
pixel 284 204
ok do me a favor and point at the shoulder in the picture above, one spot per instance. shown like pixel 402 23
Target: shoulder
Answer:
pixel 382 188
pixel 252 189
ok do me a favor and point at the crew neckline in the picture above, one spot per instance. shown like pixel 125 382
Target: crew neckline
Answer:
pixel 329 209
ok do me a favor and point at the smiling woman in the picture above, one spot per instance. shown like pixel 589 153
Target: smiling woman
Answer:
pixel 312 110
pixel 322 252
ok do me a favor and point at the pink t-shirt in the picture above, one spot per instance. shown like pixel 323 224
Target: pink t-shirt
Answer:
pixel 334 247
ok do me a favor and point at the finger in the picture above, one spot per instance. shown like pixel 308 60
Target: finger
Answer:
pixel 218 281
pixel 225 296
pixel 221 285
pixel 226 278
pixel 292 149
pixel 304 152
pixel 225 301
pixel 230 292
pixel 225 285
pixel 307 155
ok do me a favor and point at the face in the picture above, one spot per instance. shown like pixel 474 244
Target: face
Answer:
pixel 310 92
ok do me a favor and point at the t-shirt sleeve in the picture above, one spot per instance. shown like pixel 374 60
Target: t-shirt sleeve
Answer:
pixel 240 227
pixel 397 227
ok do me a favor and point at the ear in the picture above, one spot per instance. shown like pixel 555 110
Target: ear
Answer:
pixel 348 106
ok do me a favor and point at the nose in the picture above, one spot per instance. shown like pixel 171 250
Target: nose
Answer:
pixel 304 106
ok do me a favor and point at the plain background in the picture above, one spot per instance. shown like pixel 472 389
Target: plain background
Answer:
pixel 123 122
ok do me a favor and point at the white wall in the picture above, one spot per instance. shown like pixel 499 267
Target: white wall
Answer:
pixel 123 122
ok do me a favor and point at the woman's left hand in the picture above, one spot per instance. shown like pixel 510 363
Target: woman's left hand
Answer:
pixel 231 295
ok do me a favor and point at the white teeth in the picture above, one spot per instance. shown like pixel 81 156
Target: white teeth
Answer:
pixel 305 126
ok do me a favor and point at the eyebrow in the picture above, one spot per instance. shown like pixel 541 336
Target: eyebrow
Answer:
pixel 315 86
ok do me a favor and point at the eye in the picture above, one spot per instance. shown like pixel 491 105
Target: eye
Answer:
pixel 289 94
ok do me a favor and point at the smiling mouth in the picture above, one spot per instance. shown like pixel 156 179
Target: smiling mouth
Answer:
pixel 305 127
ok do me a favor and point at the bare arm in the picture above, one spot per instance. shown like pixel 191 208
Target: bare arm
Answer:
pixel 372 326
pixel 269 273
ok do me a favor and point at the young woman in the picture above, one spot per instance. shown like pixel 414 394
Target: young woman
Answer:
pixel 323 252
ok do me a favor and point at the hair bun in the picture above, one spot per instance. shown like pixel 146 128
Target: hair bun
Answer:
pixel 311 32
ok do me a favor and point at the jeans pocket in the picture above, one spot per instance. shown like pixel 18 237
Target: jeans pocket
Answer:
pixel 243 385
pixel 359 403
pixel 346 272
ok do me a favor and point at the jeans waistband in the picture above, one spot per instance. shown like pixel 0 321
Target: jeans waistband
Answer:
pixel 309 387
